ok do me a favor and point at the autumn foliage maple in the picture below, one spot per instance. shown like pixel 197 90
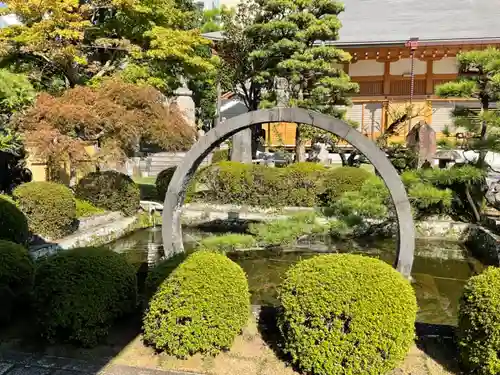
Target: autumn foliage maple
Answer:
pixel 115 116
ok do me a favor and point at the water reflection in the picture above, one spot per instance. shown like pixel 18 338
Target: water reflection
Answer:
pixel 440 268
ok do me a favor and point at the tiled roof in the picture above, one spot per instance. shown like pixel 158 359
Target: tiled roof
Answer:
pixel 395 21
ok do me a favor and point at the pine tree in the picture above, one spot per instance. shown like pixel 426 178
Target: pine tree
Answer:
pixel 479 78
pixel 297 61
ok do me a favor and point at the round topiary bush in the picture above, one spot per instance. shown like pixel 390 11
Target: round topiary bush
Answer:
pixel 162 181
pixel 78 294
pixel 16 277
pixel 341 180
pixel 49 207
pixel 479 324
pixel 160 272
pixel 346 314
pixel 110 190
pixel 199 308
pixel 13 223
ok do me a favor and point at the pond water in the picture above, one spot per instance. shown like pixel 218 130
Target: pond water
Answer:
pixel 440 268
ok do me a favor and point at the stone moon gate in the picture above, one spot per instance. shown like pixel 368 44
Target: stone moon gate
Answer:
pixel 174 199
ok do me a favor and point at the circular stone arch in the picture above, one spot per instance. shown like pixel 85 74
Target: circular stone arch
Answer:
pixel 174 198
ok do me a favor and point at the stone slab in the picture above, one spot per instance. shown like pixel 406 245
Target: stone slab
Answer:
pixel 127 370
pixel 28 370
pixel 4 367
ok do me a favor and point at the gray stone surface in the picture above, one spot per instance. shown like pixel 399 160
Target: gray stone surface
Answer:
pixel 28 364
pixel 371 21
pixel 241 150
pixel 174 199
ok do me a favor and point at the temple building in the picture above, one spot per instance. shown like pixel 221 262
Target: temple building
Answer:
pixel 401 50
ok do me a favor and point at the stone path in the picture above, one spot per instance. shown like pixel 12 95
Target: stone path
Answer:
pixel 16 363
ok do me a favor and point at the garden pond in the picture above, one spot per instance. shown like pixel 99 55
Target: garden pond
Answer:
pixel 440 268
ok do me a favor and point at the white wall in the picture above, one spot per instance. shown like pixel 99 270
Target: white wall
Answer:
pixel 365 68
pixel 447 65
pixel 403 66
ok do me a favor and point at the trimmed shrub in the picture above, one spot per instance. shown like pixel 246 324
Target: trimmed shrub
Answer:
pixel 161 272
pixel 257 185
pixel 86 209
pixel 16 277
pixel 304 184
pixel 13 223
pixel 220 155
pixel 110 190
pixel 286 231
pixel 228 242
pixel 346 314
pixel 341 180
pixel 49 207
pixel 479 323
pixel 200 307
pixel 78 294
pixel 162 181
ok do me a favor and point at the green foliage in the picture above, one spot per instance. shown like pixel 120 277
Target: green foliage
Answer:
pixel 146 42
pixel 479 78
pixel 16 277
pixel 445 190
pixel 228 242
pixel 257 185
pixel 304 184
pixel 162 182
pixel 286 231
pixel 110 190
pixel 220 155
pixel 161 272
pixel 80 292
pixel 49 207
pixel 86 209
pixel 199 308
pixel 342 180
pixel 16 92
pixel 479 335
pixel 13 223
pixel 289 37
pixel 346 314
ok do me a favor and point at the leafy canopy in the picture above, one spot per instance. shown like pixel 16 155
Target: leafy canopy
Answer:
pixel 147 41
pixel 114 114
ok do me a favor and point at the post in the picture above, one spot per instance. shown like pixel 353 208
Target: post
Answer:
pixel 413 45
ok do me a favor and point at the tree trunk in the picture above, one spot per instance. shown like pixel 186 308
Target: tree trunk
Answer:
pixel 300 147
pixel 484 127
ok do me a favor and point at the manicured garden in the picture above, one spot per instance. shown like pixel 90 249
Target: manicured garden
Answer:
pixel 334 313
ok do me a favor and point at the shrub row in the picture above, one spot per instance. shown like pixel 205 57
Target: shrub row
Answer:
pixel 111 191
pixel 300 184
pixel 50 210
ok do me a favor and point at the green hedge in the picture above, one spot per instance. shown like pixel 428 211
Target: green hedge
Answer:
pixel 228 242
pixel 110 190
pixel 305 184
pixel 13 223
pixel 16 277
pixel 199 308
pixel 479 324
pixel 86 209
pixel 298 184
pixel 79 293
pixel 49 207
pixel 220 155
pixel 346 314
pixel 162 181
pixel 157 275
pixel 341 180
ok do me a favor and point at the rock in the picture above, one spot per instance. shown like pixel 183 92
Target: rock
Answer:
pixel 493 194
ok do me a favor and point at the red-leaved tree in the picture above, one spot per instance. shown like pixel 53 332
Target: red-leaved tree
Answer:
pixel 115 116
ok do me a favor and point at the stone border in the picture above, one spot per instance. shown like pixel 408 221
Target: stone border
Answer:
pixel 174 199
